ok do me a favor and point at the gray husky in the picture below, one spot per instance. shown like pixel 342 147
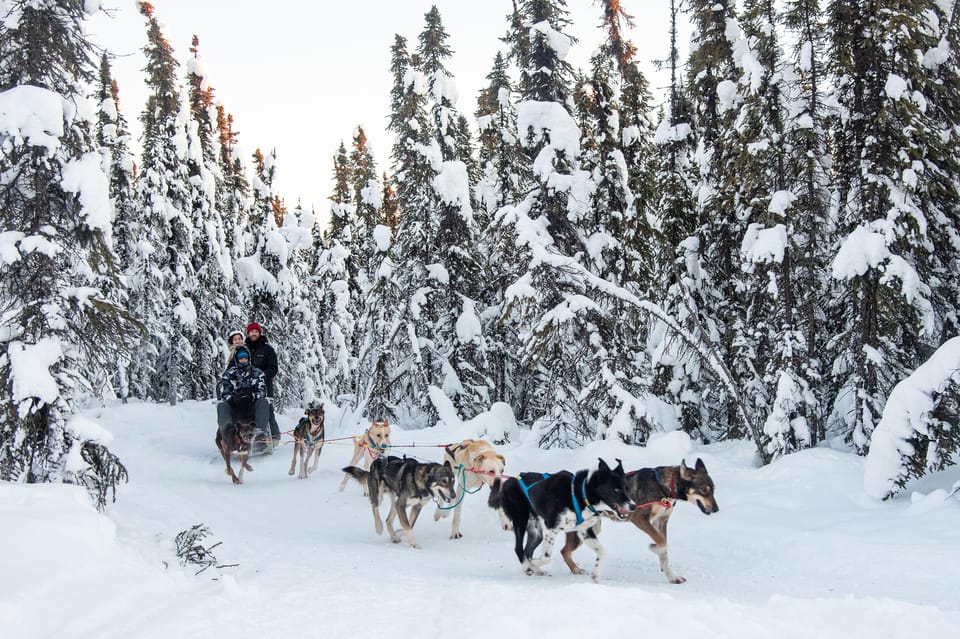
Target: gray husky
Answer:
pixel 408 483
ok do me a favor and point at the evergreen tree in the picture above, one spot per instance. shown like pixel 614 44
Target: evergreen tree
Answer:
pixel 215 291
pixel 714 275
pixel 164 263
pixel 888 163
pixel 678 374
pixel 113 139
pixel 56 212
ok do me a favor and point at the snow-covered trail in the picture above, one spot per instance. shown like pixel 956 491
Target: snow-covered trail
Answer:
pixel 795 551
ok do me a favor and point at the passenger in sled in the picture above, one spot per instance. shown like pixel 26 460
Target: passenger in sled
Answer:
pixel 242 392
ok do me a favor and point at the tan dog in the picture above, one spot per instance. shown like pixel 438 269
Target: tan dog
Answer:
pixel 308 439
pixel 464 458
pixel 370 445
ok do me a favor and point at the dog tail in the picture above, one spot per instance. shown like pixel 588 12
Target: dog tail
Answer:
pixel 357 473
pixel 495 495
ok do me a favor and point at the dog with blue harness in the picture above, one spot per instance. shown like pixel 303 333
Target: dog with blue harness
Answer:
pixel 539 506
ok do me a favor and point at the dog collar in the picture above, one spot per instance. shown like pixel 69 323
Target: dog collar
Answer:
pixel 373 444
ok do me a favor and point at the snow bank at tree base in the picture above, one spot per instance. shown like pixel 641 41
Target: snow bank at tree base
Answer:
pixel 797 549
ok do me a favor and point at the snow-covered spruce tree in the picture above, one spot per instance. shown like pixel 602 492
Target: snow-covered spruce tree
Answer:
pixel 771 350
pixel 414 355
pixel 390 208
pixel 940 196
pixel 337 284
pixel 304 358
pixel 885 166
pixel 457 361
pixel 505 175
pixel 233 199
pixel 550 304
pixel 55 212
pixel 366 197
pixel 377 380
pixel 216 291
pixel 677 377
pixel 113 139
pixel 716 280
pixel 615 392
pixel 263 271
pixel 810 225
pixel 163 280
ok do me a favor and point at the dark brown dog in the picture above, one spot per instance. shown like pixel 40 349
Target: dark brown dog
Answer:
pixel 308 440
pixel 235 440
pixel 656 491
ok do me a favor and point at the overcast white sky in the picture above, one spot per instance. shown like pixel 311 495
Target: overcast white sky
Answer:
pixel 300 76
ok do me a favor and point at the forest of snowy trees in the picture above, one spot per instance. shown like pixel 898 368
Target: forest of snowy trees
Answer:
pixel 762 252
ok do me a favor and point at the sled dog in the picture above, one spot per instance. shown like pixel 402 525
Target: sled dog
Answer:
pixel 235 440
pixel 475 463
pixel 408 483
pixel 539 506
pixel 308 441
pixel 370 446
pixel 656 491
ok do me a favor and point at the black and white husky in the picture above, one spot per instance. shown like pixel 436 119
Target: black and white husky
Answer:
pixel 409 483
pixel 541 505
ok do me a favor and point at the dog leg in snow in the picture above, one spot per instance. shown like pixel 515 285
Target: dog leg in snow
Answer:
pixel 296 453
pixel 316 458
pixel 405 523
pixel 572 542
pixel 534 533
pixel 548 538
pixel 594 543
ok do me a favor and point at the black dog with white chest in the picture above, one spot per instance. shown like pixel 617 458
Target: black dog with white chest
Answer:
pixel 540 506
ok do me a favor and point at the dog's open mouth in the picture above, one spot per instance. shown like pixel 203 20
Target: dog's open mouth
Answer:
pixel 621 512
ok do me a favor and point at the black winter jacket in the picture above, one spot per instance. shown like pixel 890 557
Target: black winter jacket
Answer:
pixel 241 383
pixel 264 357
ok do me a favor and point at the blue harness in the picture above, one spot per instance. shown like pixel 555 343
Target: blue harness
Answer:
pixel 311 441
pixel 573 495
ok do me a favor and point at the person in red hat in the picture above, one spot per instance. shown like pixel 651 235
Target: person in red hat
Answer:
pixel 263 356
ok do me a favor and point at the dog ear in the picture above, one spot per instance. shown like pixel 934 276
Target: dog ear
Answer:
pixel 503 460
pixel 478 460
pixel 603 465
pixel 307 411
pixel 700 466
pixel 619 468
pixel 684 470
pixel 386 422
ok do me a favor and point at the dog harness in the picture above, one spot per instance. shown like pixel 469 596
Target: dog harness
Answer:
pixel 526 490
pixel 311 441
pixel 573 495
pixel 576 504
pixel 673 488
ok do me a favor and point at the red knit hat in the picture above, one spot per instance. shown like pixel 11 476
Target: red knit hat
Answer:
pixel 253 326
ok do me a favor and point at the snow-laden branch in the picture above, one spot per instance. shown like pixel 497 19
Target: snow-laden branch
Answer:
pixel 702 346
pixel 907 414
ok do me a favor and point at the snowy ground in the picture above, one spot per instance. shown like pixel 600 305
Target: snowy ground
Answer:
pixel 795 551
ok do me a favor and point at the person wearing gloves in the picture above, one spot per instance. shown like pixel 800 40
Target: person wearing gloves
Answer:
pixel 242 392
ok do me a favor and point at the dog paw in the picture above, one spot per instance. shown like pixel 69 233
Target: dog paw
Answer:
pixel 248 468
pixel 578 571
pixel 290 473
pixel 678 580
pixel 456 535
pixel 237 480
pixel 595 578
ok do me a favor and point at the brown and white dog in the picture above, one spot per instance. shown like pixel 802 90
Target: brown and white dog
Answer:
pixel 370 446
pixel 235 439
pixel 308 440
pixel 475 462
pixel 656 491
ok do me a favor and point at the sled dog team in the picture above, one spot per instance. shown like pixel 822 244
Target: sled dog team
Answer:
pixel 535 506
